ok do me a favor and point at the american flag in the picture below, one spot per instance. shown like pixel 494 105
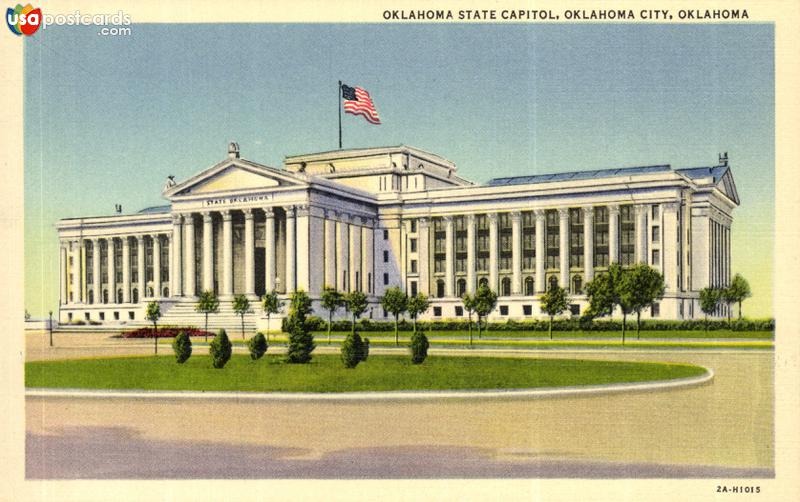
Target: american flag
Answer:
pixel 358 102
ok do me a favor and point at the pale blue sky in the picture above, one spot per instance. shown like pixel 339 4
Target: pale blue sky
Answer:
pixel 107 118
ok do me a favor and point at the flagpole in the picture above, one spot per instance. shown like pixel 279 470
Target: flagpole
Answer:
pixel 339 100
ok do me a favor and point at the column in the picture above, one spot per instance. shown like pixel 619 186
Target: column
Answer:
pixel 516 253
pixel 156 265
pixel 126 270
pixel 588 244
pixel 367 257
pixel 613 233
pixel 140 283
pixel 493 265
pixel 249 254
pixel 540 250
pixel 470 253
pixel 112 276
pixel 176 267
pixel 423 227
pixel 342 252
pixel 641 233
pixel 669 246
pixel 449 261
pixel 97 286
pixel 208 251
pixel 269 249
pixel 355 254
pixel 76 271
pixel 563 247
pixel 63 274
pixel 189 288
pixel 227 254
pixel 302 248
pixel 291 277
pixel 330 249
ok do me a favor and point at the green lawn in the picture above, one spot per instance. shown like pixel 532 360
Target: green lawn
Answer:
pixel 327 374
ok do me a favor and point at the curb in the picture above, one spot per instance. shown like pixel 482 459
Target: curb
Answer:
pixel 587 390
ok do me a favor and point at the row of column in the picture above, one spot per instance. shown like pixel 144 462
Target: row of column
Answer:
pixel 75 273
pixel 641 240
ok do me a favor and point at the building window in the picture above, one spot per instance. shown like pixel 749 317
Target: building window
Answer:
pixel 576 238
pixel 459 311
pixel 413 225
pixel 503 309
pixel 69 316
pixel 413 266
pixel 437 311
pixel 656 257
pixel 656 231
pixel 627 235
pixel 655 310
pixel 385 235
pixel 529 291
pixel 505 286
pixel 131 315
pixel 655 211
pixel 552 232
pixel 461 287
pixel 601 236
pixel 527 310
pixel 440 288
pixel 552 282
pixel 385 256
pixel 483 282
pixel 413 243
pixel 413 288
pixel 369 282
pixel 574 309
pixel 577 285
pixel 102 316
pixel 86 316
pixel 116 316
pixel 385 279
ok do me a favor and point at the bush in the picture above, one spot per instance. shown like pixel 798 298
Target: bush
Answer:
pixel 365 349
pixel 301 341
pixel 165 332
pixel 419 347
pixel 257 346
pixel 182 347
pixel 220 349
pixel 352 350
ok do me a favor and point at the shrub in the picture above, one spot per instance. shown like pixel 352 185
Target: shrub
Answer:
pixel 182 347
pixel 365 349
pixel 419 347
pixel 352 350
pixel 164 332
pixel 257 346
pixel 301 341
pixel 220 349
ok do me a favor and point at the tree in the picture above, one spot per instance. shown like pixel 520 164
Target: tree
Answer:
pixel 153 314
pixel 331 301
pixel 419 347
pixel 301 341
pixel 605 293
pixel 417 305
pixel 352 350
pixel 207 303
pixel 271 304
pixel 485 301
pixel 739 291
pixel 182 346
pixel 709 300
pixel 470 304
pixel 641 286
pixel 220 349
pixel 257 346
pixel 395 301
pixel 355 302
pixel 553 302
pixel 241 306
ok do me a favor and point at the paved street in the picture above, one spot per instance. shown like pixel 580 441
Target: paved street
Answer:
pixel 723 429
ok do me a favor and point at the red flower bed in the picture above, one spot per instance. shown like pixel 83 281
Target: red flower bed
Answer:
pixel 165 332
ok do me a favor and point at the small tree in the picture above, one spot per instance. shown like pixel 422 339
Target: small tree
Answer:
pixel 641 286
pixel 301 341
pixel 419 347
pixel 257 346
pixel 331 301
pixel 604 293
pixel 739 291
pixel 241 306
pixel 485 302
pixel 207 303
pixel 554 302
pixel 470 304
pixel 182 347
pixel 417 305
pixel 395 301
pixel 220 349
pixel 153 314
pixel 352 350
pixel 709 300
pixel 356 303
pixel 271 304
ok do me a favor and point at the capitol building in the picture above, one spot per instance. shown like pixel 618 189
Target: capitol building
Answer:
pixel 373 218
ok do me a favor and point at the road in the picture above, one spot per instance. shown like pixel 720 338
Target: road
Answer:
pixel 722 429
